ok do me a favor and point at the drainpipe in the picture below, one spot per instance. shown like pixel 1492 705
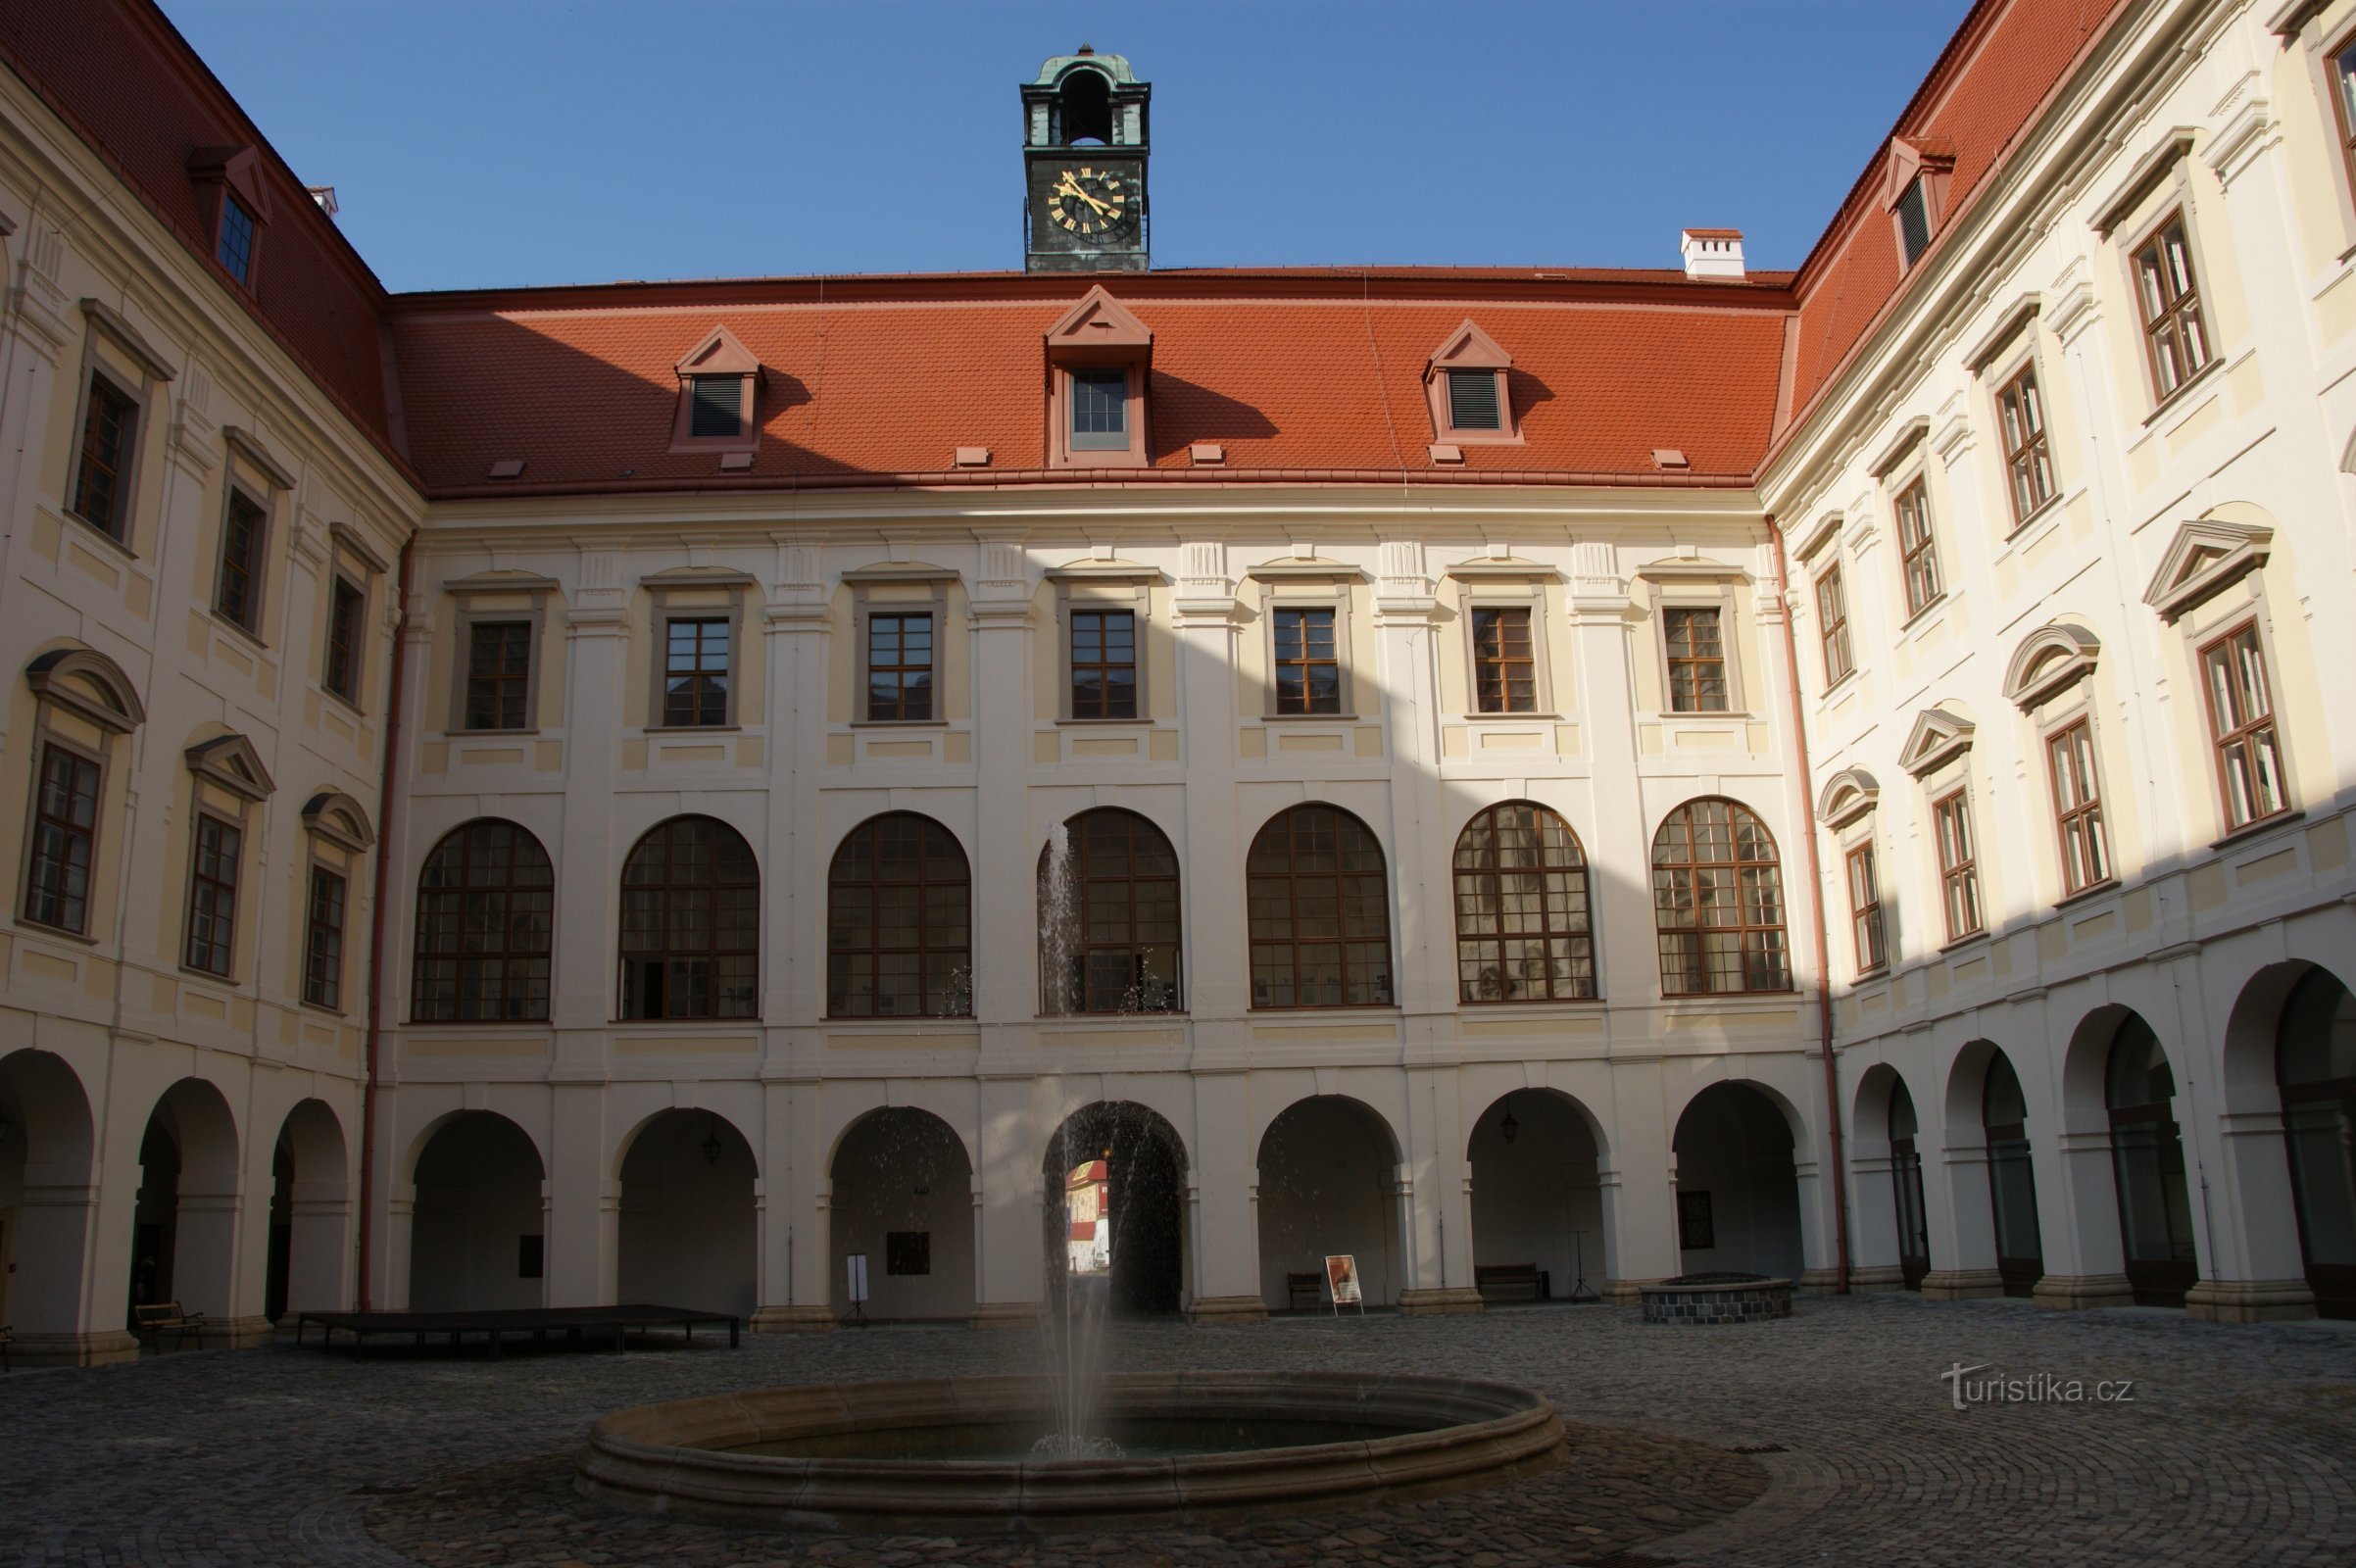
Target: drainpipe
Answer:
pixel 1824 975
pixel 384 856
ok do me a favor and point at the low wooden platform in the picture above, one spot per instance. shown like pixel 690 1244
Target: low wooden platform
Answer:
pixel 578 1324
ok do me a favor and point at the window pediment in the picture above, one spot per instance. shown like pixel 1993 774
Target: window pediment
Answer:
pixel 2050 660
pixel 338 818
pixel 1305 568
pixel 86 682
pixel 1100 362
pixel 237 167
pixel 1692 569
pixel 248 446
pixel 233 762
pixel 1100 330
pixel 1468 390
pixel 125 337
pixel 2202 560
pixel 719 388
pixel 1847 796
pixel 1937 739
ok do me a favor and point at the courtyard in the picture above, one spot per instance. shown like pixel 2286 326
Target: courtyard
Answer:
pixel 1831 1435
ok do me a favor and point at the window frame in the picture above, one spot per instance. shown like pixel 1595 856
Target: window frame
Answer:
pixel 925 952
pixel 2270 721
pixel 1582 935
pixel 718 356
pixel 1138 824
pixel 1080 590
pixel 2090 808
pixel 1063 450
pixel 692 594
pixel 46 738
pixel 710 951
pixel 702 676
pixel 1921 577
pixel 491 599
pixel 2337 88
pixel 125 475
pixel 208 812
pixel 2037 449
pixel 242 271
pixel 1959 876
pixel 1831 629
pixel 472 630
pixel 1670 661
pixel 313 927
pixel 2153 235
pixel 112 349
pixel 1490 604
pixel 1468 349
pixel 354 644
pixel 1278 662
pixel 893 591
pixel 508 957
pixel 1869 937
pixel 255 570
pixel 1743 927
pixel 68 718
pixel 1342 941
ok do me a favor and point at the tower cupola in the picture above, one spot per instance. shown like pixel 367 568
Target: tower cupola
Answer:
pixel 1084 165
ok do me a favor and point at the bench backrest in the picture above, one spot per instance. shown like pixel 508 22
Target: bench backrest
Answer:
pixel 158 1314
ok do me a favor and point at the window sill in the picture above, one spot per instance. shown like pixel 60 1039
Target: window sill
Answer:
pixel 1708 716
pixel 902 1021
pixel 1512 718
pixel 1968 939
pixel 476 1023
pixel 713 1025
pixel 352 703
pixel 1938 600
pixel 1728 995
pixel 1835 688
pixel 247 633
pixel 494 734
pixel 1140 1019
pixel 2168 405
pixel 1879 974
pixel 1535 1007
pixel 1140 722
pixel 1391 1007
pixel 2046 509
pixel 323 1011
pixel 123 545
pixel 208 976
pixel 900 723
pixel 2087 893
pixel 26 922
pixel 2260 828
pixel 650 729
pixel 1307 719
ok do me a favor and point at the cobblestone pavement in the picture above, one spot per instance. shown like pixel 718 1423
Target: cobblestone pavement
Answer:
pixel 2237 1445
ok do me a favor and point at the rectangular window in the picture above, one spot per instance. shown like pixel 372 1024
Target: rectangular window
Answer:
pixel 2078 808
pixel 236 247
pixel 1865 909
pixel 498 668
pixel 1505 666
pixel 909 1252
pixel 1697 661
pixel 900 666
pixel 2028 465
pixel 1914 220
pixel 1958 871
pixel 213 896
pixel 1100 410
pixel 345 602
pixel 1103 663
pixel 695 673
pixel 716 405
pixel 2172 329
pixel 239 595
pixel 2241 722
pixel 323 941
pixel 1472 400
pixel 2343 100
pixel 1832 610
pixel 103 482
pixel 65 842
pixel 1918 552
pixel 1308 670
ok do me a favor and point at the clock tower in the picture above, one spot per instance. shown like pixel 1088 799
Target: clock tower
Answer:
pixel 1084 165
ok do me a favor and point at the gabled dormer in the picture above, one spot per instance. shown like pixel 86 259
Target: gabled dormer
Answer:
pixel 1914 192
pixel 1469 392
pixel 234 205
pixel 2203 560
pixel 1100 360
pixel 720 396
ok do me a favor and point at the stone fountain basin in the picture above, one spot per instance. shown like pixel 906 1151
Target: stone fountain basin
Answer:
pixel 687 1457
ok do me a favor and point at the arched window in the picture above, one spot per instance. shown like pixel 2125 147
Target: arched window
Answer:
pixel 2147 1155
pixel 1718 900
pixel 485 915
pixel 1321 913
pixel 1108 916
pixel 899 936
pixel 691 923
pixel 1522 932
pixel 2314 1058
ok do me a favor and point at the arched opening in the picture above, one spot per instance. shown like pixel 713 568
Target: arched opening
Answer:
pixel 1318 911
pixel 184 1226
pixel 486 917
pixel 2011 1177
pixel 898 932
pixel 2315 1063
pixel 1329 1185
pixel 478 1232
pixel 691 923
pixel 1906 1188
pixel 1084 109
pixel 687 1235
pixel 1108 916
pixel 2147 1155
pixel 1537 1202
pixel 1522 927
pixel 1718 902
pixel 1117 1207
pixel 308 1209
pixel 47 1201
pixel 1737 1194
pixel 901 1197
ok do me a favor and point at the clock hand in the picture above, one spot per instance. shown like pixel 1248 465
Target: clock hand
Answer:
pixel 1068 189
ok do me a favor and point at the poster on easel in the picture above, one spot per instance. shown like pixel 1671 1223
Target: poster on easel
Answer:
pixel 1341 1281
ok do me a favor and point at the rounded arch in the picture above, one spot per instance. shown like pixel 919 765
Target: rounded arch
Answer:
pixel 424 1136
pixel 687 1236
pixel 2148 1172
pixel 2316 1066
pixel 1847 795
pixel 89 683
pixel 2249 1073
pixel 49 1191
pixel 1879 1090
pixel 314 1135
pixel 898 921
pixel 718 1124
pixel 1963 1106
pixel 47 1110
pixel 1588 1125
pixel 486 925
pixel 2050 658
pixel 1718 900
pixel 1116 1178
pixel 2086 1062
pixel 1318 911
pixel 1109 919
pixel 1738 1188
pixel 1524 931
pixel 691 922
pixel 185 1220
pixel 1328 1169
pixel 338 818
pixel 477 1226
pixel 1536 1198
pixel 309 1212
pixel 900 1192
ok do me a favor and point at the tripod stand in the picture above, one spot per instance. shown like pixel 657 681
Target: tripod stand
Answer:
pixel 1580 1290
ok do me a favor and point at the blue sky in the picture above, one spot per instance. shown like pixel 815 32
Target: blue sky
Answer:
pixel 490 142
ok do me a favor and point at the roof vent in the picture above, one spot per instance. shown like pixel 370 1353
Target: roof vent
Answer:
pixel 973 457
pixel 1670 459
pixel 735 461
pixel 508 469
pixel 1447 452
pixel 1207 454
pixel 1712 253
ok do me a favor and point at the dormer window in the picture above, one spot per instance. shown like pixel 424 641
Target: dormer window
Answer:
pixel 236 247
pixel 1914 188
pixel 1914 220
pixel 234 201
pixel 1100 360
pixel 1470 391
pixel 719 389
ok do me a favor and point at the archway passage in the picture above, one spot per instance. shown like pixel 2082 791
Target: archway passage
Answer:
pixel 477 1234
pixel 2147 1156
pixel 2315 1063
pixel 1906 1188
pixel 1535 1200
pixel 309 1206
pixel 184 1225
pixel 47 1201
pixel 1133 1208
pixel 1738 1193
pixel 2011 1179
pixel 901 1197
pixel 687 1236
pixel 1328 1185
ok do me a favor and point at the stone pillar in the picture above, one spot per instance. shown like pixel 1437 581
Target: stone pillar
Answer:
pixel 1012 1290
pixel 316 1265
pixel 1435 1210
pixel 1222 1217
pixel 204 1266
pixel 65 1313
pixel 400 1220
pixel 2078 1215
pixel 794 1287
pixel 2258 1273
pixel 582 1212
pixel 1640 1192
pixel 1874 1226
pixel 1963 1226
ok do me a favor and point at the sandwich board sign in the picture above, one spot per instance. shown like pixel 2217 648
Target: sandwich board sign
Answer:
pixel 1341 1281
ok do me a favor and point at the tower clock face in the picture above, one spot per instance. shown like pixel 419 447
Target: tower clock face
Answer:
pixel 1090 201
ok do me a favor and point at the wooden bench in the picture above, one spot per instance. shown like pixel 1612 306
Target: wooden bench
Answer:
pixel 1513 1276
pixel 1304 1290
pixel 156 1319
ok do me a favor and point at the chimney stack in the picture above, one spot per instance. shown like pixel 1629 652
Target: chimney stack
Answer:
pixel 1712 253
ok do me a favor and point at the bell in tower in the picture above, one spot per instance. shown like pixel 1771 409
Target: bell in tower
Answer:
pixel 1084 165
